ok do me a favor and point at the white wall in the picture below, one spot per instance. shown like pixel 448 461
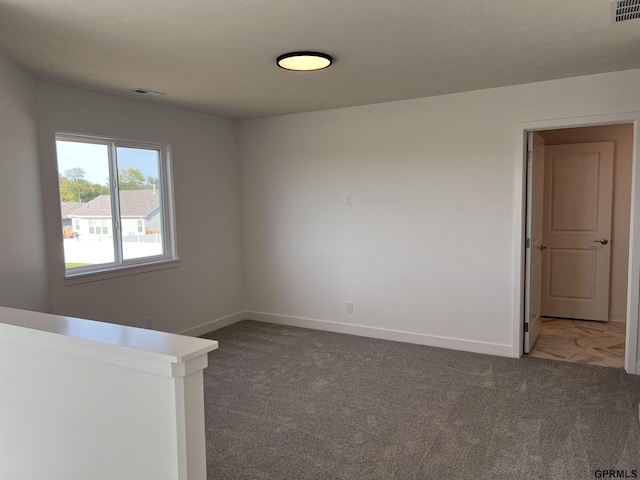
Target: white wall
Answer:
pixel 23 279
pixel 622 136
pixel 91 400
pixel 426 250
pixel 428 245
pixel 208 283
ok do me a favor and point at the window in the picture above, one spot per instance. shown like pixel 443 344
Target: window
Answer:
pixel 116 188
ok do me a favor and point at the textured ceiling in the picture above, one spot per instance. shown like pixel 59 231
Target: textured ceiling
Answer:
pixel 218 56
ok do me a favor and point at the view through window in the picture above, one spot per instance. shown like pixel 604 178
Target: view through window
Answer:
pixel 113 202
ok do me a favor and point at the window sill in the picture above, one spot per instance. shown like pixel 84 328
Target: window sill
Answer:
pixel 121 271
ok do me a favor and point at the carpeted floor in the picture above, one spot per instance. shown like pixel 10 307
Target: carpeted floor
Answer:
pixel 289 403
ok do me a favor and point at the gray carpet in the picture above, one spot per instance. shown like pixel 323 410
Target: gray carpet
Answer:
pixel 289 403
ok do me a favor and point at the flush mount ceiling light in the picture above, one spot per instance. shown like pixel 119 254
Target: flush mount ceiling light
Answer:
pixel 304 61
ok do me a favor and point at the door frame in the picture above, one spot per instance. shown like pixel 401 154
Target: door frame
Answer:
pixel 631 363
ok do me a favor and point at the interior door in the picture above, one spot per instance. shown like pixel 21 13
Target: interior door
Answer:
pixel 533 256
pixel 577 230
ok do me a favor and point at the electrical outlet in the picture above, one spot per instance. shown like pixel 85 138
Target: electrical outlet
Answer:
pixel 347 201
pixel 349 307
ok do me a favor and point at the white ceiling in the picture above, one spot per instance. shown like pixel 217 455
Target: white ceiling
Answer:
pixel 218 56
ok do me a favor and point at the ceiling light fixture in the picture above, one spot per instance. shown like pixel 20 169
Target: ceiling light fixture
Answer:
pixel 304 61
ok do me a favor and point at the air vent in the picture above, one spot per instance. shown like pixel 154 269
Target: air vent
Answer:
pixel 144 91
pixel 623 10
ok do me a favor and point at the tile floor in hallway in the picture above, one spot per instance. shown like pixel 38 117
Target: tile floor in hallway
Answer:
pixel 581 341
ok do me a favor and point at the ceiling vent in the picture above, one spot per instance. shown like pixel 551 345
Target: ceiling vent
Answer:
pixel 144 91
pixel 623 10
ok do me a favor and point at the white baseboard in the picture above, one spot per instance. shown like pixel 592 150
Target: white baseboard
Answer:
pixel 618 316
pixel 214 325
pixel 384 334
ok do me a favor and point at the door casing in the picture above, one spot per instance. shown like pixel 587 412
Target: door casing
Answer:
pixel 632 365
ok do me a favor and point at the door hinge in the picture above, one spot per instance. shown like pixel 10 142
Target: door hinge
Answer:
pixel 529 156
pixel 526 327
pixel 527 243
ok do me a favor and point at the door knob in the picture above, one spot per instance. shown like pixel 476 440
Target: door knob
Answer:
pixel 604 241
pixel 543 247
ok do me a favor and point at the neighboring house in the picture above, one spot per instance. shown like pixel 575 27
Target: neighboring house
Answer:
pixel 139 211
pixel 67 208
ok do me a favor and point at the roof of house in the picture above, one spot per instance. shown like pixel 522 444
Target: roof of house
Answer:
pixel 67 208
pixel 133 203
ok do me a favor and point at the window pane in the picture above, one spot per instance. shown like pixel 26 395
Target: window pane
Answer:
pixel 93 236
pixel 83 173
pixel 140 202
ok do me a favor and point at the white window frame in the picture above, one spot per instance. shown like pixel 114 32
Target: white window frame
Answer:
pixel 136 265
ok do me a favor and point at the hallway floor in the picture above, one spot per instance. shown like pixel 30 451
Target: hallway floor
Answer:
pixel 581 341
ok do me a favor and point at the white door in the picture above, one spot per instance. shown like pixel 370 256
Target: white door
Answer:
pixel 577 230
pixel 534 247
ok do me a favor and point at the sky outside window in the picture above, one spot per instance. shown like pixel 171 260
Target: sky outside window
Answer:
pixel 84 155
